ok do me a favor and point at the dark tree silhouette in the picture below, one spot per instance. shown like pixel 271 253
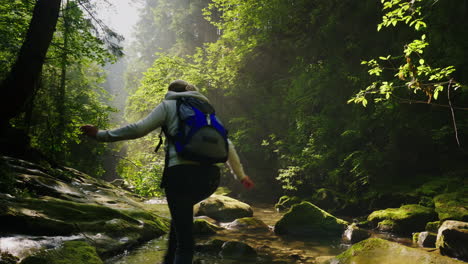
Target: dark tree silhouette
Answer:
pixel 18 86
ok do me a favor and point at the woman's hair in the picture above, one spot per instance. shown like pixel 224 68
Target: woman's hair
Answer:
pixel 181 86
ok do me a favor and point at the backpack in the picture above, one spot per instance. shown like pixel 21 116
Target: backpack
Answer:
pixel 200 135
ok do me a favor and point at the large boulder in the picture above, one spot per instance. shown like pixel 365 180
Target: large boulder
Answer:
pixel 306 219
pixel 452 206
pixel 452 239
pixel 223 208
pixel 66 203
pixel 404 220
pixel 376 250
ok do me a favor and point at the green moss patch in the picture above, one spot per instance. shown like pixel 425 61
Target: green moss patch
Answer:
pixel 76 252
pixel 306 219
pixel 405 220
pixel 375 250
pixel 452 206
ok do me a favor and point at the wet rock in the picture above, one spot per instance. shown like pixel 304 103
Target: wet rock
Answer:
pixel 452 206
pixel 202 227
pixel 76 252
pixel 323 259
pixel 65 202
pixel 426 239
pixel 452 239
pixel 249 224
pixel 306 219
pixel 433 226
pixel 223 208
pixel 211 247
pixel 237 250
pixel 376 250
pixel 354 234
pixel 404 220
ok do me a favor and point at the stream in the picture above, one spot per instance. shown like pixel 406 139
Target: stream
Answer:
pixel 271 248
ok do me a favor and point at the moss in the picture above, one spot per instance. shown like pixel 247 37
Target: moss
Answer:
pixel 222 191
pixel 6 258
pixel 307 219
pixel 76 252
pixel 202 227
pixel 376 250
pixel 452 206
pixel 416 237
pixel 406 219
pixel 433 226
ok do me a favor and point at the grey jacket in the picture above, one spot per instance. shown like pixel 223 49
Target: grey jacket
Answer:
pixel 165 114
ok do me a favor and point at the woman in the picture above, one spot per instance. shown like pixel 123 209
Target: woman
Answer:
pixel 185 182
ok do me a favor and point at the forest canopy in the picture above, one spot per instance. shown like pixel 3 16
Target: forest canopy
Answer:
pixel 361 98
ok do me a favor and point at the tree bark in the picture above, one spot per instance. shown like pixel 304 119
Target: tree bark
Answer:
pixel 18 86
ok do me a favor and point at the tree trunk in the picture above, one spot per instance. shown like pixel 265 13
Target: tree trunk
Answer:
pixel 18 86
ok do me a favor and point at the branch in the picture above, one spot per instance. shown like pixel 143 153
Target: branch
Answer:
pixel 453 113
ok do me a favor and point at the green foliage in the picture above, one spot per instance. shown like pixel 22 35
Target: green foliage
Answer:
pixel 281 72
pixel 69 91
pixel 415 73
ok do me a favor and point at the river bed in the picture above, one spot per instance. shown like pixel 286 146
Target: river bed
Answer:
pixel 271 248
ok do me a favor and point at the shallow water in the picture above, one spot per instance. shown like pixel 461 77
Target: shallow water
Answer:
pixel 271 248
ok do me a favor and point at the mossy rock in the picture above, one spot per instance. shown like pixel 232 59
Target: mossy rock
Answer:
pixel 223 208
pixel 433 226
pixel 452 206
pixel 438 185
pixel 285 202
pixel 306 219
pixel 222 191
pixel 249 224
pixel 452 239
pixel 202 227
pixel 76 252
pixel 404 220
pixel 237 250
pixel 376 250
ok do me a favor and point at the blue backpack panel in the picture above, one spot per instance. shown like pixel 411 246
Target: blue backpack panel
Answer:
pixel 200 135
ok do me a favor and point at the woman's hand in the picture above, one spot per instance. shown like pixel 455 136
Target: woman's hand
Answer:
pixel 89 130
pixel 247 182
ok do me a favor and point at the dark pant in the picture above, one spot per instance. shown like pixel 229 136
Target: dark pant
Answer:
pixel 185 186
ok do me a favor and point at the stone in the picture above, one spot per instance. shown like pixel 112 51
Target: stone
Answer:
pixel 433 226
pixel 306 219
pixel 404 220
pixel 376 250
pixel 76 252
pixel 249 224
pixel 237 250
pixel 223 208
pixel 354 234
pixel 426 239
pixel 70 203
pixel 202 227
pixel 452 239
pixel 452 206
pixel 211 247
